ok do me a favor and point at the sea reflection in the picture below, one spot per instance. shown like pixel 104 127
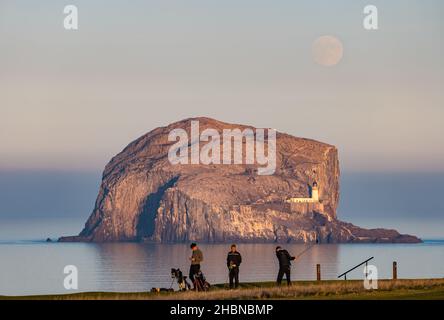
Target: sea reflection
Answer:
pixel 37 267
pixel 141 266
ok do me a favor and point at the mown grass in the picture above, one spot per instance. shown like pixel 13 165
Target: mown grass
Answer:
pixel 337 289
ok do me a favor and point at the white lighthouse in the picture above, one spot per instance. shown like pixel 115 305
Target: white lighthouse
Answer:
pixel 315 192
pixel 314 196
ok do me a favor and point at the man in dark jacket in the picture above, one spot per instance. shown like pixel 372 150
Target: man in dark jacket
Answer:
pixel 234 260
pixel 284 265
pixel 196 258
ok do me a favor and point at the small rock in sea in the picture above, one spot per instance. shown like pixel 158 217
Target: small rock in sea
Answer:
pixel 48 240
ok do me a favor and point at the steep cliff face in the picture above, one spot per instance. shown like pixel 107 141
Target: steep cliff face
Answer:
pixel 143 197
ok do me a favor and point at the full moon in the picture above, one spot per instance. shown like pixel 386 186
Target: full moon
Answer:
pixel 327 51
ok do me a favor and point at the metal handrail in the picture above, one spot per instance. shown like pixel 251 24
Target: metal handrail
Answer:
pixel 345 273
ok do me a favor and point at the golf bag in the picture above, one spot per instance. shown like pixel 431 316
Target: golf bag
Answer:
pixel 200 283
pixel 181 279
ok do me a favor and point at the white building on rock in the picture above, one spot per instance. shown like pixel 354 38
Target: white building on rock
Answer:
pixel 314 196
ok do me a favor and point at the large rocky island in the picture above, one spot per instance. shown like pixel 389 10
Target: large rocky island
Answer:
pixel 144 197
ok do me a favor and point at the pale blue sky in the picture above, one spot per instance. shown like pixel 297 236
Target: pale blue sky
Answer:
pixel 72 100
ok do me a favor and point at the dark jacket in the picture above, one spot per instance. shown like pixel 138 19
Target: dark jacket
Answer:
pixel 234 258
pixel 284 258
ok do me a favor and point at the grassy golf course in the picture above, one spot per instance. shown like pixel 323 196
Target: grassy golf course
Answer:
pixel 410 289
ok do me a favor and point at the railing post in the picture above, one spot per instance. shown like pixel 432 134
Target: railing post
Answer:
pixel 395 270
pixel 318 272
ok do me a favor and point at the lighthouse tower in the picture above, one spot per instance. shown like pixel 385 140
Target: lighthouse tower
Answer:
pixel 315 192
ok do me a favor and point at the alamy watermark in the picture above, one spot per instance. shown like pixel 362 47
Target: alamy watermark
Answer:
pixel 370 277
pixel 370 21
pixel 260 147
pixel 71 20
pixel 71 280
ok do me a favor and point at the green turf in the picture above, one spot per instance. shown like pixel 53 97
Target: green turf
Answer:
pixel 324 290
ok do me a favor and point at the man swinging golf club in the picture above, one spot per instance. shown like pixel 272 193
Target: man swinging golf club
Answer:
pixel 285 262
pixel 284 265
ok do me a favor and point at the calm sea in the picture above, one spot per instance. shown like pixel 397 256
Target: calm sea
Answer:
pixel 29 265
